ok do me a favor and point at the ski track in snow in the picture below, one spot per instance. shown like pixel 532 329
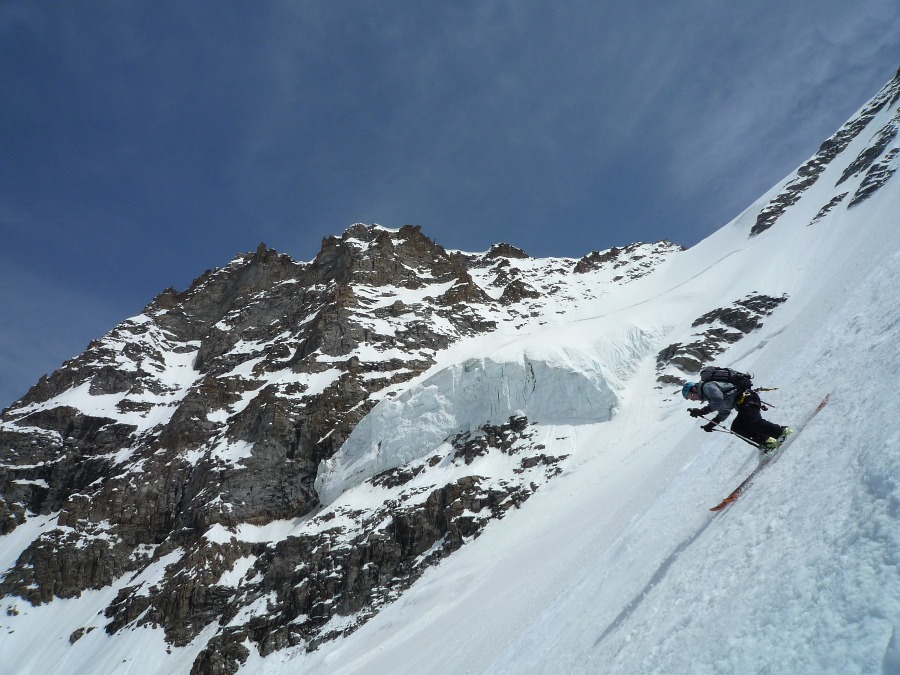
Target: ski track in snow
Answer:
pixel 660 573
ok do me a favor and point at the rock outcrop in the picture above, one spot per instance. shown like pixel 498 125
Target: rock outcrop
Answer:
pixel 720 328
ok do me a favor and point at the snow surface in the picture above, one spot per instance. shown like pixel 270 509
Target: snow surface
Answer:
pixel 617 565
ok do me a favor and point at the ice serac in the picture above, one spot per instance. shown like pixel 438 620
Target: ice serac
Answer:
pixel 460 399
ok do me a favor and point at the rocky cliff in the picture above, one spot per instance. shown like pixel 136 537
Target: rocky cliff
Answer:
pixel 164 450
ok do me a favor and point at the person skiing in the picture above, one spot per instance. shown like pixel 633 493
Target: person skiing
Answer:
pixel 722 398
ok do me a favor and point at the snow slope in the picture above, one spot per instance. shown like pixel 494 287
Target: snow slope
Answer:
pixel 618 566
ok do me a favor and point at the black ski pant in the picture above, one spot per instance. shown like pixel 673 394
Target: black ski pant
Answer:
pixel 750 424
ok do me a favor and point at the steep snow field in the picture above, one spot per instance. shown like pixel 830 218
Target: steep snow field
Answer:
pixel 618 566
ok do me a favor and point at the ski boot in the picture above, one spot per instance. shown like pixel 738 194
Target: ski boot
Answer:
pixel 772 444
pixel 785 432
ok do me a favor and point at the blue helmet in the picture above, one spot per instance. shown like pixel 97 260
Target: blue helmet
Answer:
pixel 686 389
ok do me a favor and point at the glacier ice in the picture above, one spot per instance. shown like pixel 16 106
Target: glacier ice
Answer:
pixel 461 398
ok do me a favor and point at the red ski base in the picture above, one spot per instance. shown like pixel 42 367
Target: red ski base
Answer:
pixel 730 499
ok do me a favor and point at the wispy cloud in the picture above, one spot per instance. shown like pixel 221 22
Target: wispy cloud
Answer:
pixel 791 82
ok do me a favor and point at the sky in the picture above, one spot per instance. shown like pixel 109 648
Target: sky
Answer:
pixel 144 143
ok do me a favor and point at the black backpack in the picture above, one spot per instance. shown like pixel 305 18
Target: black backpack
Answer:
pixel 741 381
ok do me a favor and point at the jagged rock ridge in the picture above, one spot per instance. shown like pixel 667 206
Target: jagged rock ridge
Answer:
pixel 876 173
pixel 210 413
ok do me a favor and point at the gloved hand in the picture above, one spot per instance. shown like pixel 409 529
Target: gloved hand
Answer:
pixel 709 426
pixel 694 412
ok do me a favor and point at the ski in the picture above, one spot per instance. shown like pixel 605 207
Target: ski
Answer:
pixel 730 499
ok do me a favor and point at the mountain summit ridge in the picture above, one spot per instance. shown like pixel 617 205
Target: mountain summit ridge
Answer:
pixel 215 406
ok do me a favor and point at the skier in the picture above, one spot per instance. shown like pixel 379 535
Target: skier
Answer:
pixel 723 397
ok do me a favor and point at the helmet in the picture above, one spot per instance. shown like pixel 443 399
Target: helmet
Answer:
pixel 686 389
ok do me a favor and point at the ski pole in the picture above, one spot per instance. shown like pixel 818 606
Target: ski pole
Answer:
pixel 733 433
pixel 766 403
pixel 743 438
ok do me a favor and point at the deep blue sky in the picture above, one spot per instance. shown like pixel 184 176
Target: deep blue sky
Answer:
pixel 142 143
